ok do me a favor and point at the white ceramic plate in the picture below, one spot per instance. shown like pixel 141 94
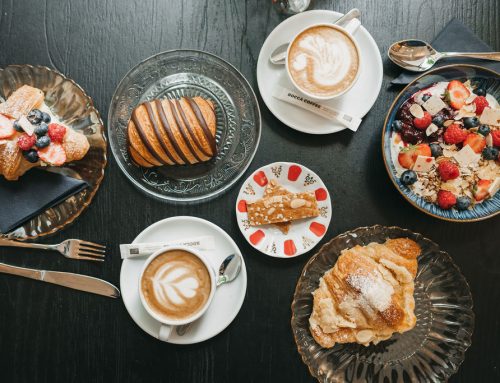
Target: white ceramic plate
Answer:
pixel 357 102
pixel 304 234
pixel 228 298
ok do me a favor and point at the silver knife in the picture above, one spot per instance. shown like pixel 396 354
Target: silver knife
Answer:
pixel 73 281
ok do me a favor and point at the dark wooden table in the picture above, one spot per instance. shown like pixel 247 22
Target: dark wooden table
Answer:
pixel 52 334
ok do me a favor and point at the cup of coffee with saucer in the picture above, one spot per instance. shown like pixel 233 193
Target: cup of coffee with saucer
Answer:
pixel 176 287
pixel 323 60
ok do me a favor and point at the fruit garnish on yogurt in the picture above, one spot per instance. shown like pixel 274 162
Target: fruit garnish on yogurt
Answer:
pixel 445 144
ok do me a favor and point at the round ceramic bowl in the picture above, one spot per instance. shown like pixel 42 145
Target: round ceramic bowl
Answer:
pixel 189 73
pixel 430 352
pixel 76 109
pixel 484 78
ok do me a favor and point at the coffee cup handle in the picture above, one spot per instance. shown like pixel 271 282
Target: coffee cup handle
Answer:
pixel 352 26
pixel 165 332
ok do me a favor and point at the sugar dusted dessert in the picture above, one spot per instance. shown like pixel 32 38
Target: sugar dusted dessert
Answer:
pixel 445 144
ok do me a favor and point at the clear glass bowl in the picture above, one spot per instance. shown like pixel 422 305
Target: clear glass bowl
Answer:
pixel 189 73
pixel 76 109
pixel 430 352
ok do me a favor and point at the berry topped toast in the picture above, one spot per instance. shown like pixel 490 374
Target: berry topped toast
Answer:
pixel 31 136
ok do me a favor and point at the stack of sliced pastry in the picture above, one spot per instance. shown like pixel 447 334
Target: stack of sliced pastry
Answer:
pixel 368 295
pixel 27 141
pixel 172 132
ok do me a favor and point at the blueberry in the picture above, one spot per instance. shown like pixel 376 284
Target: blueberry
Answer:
pixel 46 117
pixel 438 120
pixel 408 177
pixel 471 122
pixel 18 127
pixel 42 129
pixel 397 125
pixel 42 142
pixel 490 153
pixel 484 130
pixel 31 155
pixel 462 203
pixel 35 116
pixel 436 150
pixel 480 92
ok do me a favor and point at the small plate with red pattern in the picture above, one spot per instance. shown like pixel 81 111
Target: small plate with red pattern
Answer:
pixel 304 234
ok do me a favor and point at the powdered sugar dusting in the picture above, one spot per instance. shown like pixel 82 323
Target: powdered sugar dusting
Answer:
pixel 374 290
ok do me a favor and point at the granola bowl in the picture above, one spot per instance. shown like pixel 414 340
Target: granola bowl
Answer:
pixel 440 143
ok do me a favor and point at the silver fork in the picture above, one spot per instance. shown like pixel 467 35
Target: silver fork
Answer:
pixel 70 248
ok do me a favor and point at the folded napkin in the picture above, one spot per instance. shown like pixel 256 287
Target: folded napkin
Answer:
pixel 455 37
pixel 33 193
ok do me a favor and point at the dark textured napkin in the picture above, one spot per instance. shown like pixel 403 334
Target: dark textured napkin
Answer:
pixel 455 37
pixel 31 194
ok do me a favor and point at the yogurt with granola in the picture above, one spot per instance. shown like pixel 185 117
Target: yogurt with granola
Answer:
pixel 445 144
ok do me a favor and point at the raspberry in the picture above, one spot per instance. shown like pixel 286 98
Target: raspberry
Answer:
pixel 454 134
pixel 481 103
pixel 25 142
pixel 446 199
pixel 495 134
pixel 448 170
pixel 424 122
pixel 56 132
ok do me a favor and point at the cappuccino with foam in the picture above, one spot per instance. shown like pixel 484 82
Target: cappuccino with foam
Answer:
pixel 176 285
pixel 323 61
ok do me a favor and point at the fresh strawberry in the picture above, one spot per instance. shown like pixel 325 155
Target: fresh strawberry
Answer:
pixel 6 127
pixel 448 170
pixel 454 134
pixel 446 199
pixel 53 154
pixel 476 141
pixel 56 132
pixel 25 141
pixel 408 155
pixel 481 189
pixel 457 94
pixel 481 103
pixel 424 122
pixel 495 134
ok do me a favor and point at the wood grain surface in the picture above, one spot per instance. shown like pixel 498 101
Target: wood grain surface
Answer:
pixel 52 334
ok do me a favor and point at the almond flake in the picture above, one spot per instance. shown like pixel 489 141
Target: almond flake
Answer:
pixel 432 128
pixel 448 123
pixel 470 98
pixel 416 111
pixel 489 140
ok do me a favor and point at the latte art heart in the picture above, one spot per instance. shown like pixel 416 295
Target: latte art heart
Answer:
pixel 323 61
pixel 176 285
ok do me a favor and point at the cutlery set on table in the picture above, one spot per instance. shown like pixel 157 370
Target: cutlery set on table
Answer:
pixel 192 131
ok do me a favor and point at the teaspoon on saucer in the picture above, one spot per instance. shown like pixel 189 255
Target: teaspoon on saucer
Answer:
pixel 279 54
pixel 228 271
pixel 419 56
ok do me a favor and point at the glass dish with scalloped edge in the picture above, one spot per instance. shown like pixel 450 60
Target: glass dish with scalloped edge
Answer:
pixel 430 352
pixel 69 102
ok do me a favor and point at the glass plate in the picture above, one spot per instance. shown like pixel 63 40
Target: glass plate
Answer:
pixel 189 73
pixel 71 104
pixel 430 352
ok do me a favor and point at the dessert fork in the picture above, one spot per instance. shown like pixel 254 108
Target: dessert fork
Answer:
pixel 70 248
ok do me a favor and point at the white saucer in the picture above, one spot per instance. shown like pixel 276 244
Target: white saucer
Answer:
pixel 227 300
pixel 357 102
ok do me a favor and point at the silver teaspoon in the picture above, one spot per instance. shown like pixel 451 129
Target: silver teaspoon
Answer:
pixel 228 271
pixel 279 54
pixel 419 56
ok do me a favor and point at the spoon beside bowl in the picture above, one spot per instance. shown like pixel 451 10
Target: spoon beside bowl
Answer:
pixel 419 56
